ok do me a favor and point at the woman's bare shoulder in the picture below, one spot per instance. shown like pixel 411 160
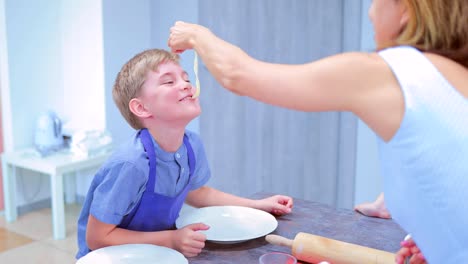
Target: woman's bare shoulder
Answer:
pixel 455 73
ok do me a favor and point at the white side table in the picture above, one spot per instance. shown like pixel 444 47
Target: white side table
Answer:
pixel 56 166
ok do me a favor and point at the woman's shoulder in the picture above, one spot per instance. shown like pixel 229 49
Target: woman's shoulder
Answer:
pixel 434 58
pixel 403 51
pixel 443 62
pixel 413 65
pixel 455 73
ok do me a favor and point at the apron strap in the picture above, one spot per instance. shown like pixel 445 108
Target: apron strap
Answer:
pixel 191 156
pixel 148 145
pixel 149 149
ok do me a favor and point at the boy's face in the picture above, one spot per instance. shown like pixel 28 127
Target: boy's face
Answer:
pixel 167 94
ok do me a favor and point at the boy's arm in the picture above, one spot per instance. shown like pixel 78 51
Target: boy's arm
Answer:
pixel 185 240
pixel 207 196
pixel 100 234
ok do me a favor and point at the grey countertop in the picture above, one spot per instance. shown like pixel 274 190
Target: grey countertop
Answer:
pixel 313 218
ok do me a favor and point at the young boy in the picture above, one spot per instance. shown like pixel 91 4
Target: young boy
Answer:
pixel 137 194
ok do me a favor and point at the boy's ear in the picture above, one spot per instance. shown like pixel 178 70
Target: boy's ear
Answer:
pixel 138 108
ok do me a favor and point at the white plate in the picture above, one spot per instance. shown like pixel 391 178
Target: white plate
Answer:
pixel 230 224
pixel 135 254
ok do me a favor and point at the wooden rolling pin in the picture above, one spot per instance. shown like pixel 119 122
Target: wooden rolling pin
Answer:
pixel 314 249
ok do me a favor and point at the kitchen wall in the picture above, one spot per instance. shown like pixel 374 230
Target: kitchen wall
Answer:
pixel 130 27
pixel 1 150
pixel 305 155
pixel 368 182
pixel 54 62
pixel 3 66
pixel 65 55
pixel 57 55
pixel 162 14
pixel 4 82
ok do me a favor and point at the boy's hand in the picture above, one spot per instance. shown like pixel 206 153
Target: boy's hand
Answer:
pixel 188 241
pixel 277 204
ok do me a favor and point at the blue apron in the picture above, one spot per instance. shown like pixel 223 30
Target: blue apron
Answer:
pixel 157 212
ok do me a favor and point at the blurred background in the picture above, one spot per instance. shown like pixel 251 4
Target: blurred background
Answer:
pixel 64 55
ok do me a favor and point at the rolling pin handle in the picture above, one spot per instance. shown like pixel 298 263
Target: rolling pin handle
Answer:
pixel 279 241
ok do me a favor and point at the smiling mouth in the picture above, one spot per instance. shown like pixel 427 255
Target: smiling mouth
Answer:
pixel 188 97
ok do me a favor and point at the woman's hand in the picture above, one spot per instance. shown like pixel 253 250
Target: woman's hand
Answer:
pixel 374 209
pixel 410 250
pixel 183 36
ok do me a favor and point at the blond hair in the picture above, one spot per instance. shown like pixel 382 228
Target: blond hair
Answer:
pixel 437 26
pixel 131 77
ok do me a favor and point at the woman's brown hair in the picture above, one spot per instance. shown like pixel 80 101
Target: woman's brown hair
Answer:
pixel 438 26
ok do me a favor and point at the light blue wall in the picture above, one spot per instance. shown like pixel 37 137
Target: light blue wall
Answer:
pixel 48 56
pixel 164 14
pixel 305 155
pixel 35 79
pixel 129 28
pixel 34 67
pixel 368 179
pixel 126 29
pixel 40 39
pixel 35 36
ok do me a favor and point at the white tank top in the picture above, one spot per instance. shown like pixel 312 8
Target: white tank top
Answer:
pixel 425 165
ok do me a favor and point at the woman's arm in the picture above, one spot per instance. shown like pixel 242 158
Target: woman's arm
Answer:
pixel 358 82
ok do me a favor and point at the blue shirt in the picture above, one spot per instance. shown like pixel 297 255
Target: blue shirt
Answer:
pixel 118 185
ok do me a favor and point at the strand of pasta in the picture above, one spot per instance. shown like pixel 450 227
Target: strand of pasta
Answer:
pixel 197 81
